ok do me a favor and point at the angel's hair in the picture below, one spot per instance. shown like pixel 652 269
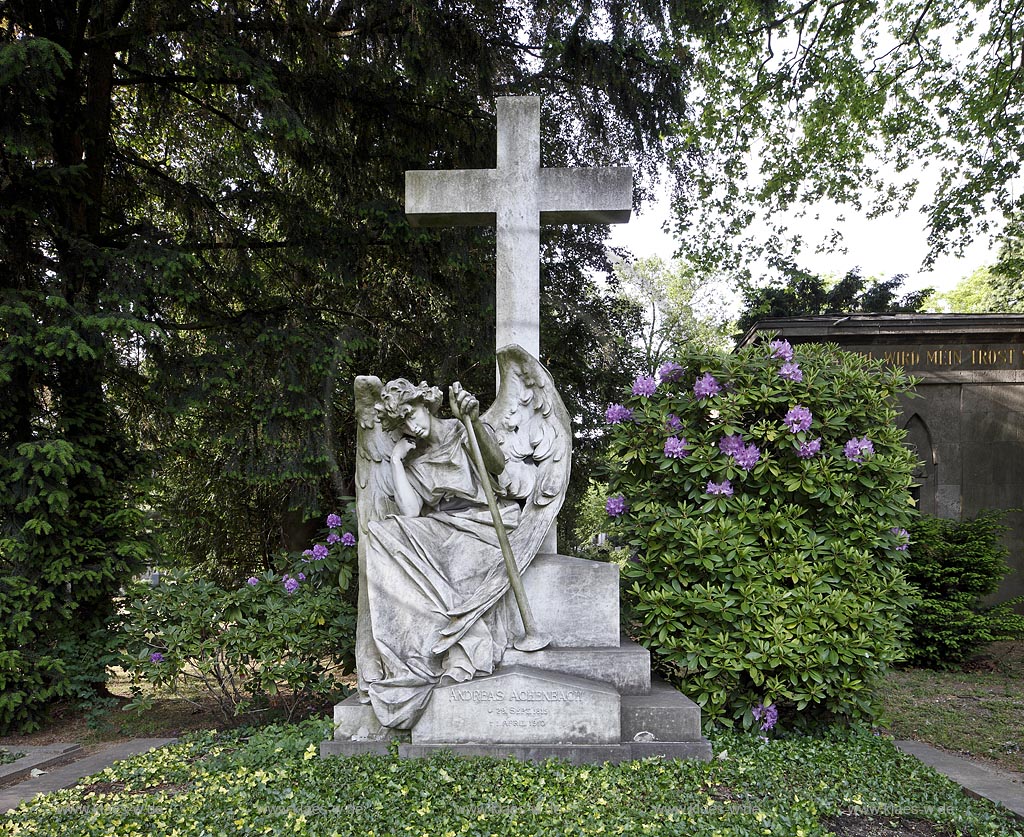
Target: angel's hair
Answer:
pixel 398 397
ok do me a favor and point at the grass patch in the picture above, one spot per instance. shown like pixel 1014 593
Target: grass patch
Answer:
pixel 975 711
pixel 272 781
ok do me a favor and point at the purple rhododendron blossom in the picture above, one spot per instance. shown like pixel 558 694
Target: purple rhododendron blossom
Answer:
pixel 747 457
pixel 798 419
pixel 767 715
pixel 616 413
pixel 781 349
pixel 810 449
pixel 731 445
pixel 670 371
pixel 724 488
pixel 333 537
pixel 252 581
pixel 900 532
pixel 333 521
pixel 320 551
pixel 616 506
pixel 675 448
pixel 156 657
pixel 856 449
pixel 644 385
pixel 673 422
pixel 706 386
pixel 348 539
pixel 290 584
pixel 791 372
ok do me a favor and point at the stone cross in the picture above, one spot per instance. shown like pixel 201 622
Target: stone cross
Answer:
pixel 517 197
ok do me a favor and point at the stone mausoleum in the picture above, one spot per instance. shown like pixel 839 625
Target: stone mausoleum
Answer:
pixel 967 423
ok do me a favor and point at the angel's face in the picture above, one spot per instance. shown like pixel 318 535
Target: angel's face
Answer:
pixel 418 421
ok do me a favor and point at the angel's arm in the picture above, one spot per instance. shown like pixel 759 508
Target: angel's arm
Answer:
pixel 465 404
pixel 410 504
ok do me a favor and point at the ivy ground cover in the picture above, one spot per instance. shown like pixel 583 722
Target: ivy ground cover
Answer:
pixel 272 781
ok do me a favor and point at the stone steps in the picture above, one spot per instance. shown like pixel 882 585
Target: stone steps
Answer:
pixel 627 667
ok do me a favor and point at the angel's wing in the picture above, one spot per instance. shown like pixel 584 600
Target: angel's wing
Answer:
pixel 374 501
pixel 532 427
pixel 374 491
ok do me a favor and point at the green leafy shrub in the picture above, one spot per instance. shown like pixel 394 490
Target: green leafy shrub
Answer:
pixel 276 640
pixel 764 501
pixel 955 564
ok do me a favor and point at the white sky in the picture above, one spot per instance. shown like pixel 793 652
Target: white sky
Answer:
pixel 882 247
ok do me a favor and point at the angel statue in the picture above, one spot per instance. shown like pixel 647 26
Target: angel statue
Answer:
pixel 451 511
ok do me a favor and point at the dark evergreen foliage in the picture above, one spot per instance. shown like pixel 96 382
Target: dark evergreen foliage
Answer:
pixel 202 241
pixel 804 294
pixel 955 565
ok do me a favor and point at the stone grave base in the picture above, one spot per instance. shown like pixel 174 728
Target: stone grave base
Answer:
pixel 588 698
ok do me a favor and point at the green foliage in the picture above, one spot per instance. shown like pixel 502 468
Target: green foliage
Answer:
pixel 954 565
pixel 272 781
pixel 67 540
pixel 679 305
pixel 803 294
pixel 801 104
pixel 790 591
pixel 276 639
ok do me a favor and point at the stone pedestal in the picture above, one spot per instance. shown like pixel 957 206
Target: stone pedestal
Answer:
pixel 586 698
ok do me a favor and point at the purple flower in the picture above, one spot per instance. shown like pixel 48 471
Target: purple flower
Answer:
pixel 673 422
pixel 617 413
pixel 290 584
pixel 301 577
pixel 348 539
pixel 333 537
pixel 644 385
pixel 791 372
pixel 156 657
pixel 903 534
pixel 807 450
pixel 798 419
pixel 767 715
pixel 252 581
pixel 670 371
pixel 333 521
pixel 856 449
pixel 675 448
pixel 319 551
pixel 616 506
pixel 747 457
pixel 781 349
pixel 706 386
pixel 731 445
pixel 724 488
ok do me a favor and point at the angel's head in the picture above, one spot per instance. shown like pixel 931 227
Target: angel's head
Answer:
pixel 407 407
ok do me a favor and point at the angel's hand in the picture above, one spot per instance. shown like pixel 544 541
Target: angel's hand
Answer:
pixel 464 404
pixel 402 448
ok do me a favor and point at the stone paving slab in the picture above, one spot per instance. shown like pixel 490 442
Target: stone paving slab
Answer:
pixel 978 780
pixel 68 775
pixel 35 758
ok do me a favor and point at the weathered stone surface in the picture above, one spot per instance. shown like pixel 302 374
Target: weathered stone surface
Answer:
pixel 517 196
pixel 333 747
pixel 627 667
pixel 520 705
pixel 575 601
pixel 572 753
pixel 356 721
pixel 665 713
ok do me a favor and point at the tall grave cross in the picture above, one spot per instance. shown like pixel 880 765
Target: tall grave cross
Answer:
pixel 517 197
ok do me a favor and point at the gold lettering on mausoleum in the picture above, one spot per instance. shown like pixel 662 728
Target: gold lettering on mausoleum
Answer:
pixel 946 358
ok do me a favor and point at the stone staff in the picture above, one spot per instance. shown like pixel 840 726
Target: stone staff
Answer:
pixel 533 639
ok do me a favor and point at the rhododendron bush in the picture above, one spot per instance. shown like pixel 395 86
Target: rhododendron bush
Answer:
pixel 763 498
